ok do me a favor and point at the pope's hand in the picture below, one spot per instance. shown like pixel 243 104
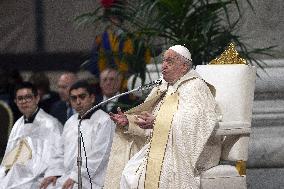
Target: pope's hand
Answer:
pixel 69 183
pixel 120 118
pixel 44 184
pixel 145 120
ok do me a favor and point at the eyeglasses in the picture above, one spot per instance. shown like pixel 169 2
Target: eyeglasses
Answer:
pixel 26 98
pixel 74 98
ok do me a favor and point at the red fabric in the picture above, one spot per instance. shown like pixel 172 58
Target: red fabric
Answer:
pixel 107 3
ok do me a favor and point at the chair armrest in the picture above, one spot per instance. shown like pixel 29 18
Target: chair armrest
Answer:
pixel 233 128
pixel 220 171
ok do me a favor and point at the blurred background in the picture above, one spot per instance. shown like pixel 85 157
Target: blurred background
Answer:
pixel 55 36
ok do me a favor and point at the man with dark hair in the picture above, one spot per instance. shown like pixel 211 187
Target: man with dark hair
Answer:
pixel 97 131
pixel 31 142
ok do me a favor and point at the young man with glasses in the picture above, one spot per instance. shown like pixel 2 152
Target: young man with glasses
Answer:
pixel 31 142
pixel 97 131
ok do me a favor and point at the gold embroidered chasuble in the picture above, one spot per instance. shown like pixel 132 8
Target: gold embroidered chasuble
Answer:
pixel 159 140
pixel 127 143
pixel 124 146
pixel 19 155
pixel 182 145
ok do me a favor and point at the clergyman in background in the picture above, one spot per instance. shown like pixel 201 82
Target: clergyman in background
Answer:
pixel 62 109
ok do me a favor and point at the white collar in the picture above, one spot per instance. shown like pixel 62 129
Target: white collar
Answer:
pixel 173 88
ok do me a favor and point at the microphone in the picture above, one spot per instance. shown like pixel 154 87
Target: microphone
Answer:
pixel 150 85
pixel 80 137
pixel 141 88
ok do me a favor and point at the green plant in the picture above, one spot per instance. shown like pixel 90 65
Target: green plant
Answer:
pixel 204 26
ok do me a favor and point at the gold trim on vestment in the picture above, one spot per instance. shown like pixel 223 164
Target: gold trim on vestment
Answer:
pixel 147 105
pixel 20 154
pixel 241 167
pixel 10 115
pixel 159 140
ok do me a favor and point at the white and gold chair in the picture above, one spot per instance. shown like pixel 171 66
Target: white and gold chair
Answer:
pixel 234 83
pixel 6 124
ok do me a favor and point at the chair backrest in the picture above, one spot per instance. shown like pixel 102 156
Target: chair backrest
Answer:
pixel 234 84
pixel 6 124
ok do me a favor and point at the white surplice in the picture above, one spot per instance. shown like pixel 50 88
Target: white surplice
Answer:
pixel 41 136
pixel 97 134
pixel 192 146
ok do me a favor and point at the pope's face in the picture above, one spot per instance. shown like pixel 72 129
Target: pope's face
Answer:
pixel 81 100
pixel 172 67
pixel 26 101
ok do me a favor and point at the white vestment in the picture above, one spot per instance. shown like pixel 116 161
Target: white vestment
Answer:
pixel 124 146
pixel 39 139
pixel 191 146
pixel 126 143
pixel 97 134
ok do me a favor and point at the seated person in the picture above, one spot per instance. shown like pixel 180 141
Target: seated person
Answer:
pixel 62 109
pixel 30 143
pixel 183 114
pixel 46 95
pixel 97 131
pixel 110 83
pixel 124 144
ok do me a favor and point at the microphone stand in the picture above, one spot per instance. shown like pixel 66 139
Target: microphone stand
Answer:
pixel 79 158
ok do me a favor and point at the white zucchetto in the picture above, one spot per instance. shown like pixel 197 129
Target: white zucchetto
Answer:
pixel 183 51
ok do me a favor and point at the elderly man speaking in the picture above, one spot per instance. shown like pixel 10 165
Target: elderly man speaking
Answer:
pixel 182 113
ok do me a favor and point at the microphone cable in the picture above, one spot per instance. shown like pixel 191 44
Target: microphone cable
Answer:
pixel 85 153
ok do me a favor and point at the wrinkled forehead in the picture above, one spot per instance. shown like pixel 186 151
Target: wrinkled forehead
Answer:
pixel 170 54
pixel 109 74
pixel 67 78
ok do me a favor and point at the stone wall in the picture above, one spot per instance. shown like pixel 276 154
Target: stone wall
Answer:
pixel 264 25
pixel 266 152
